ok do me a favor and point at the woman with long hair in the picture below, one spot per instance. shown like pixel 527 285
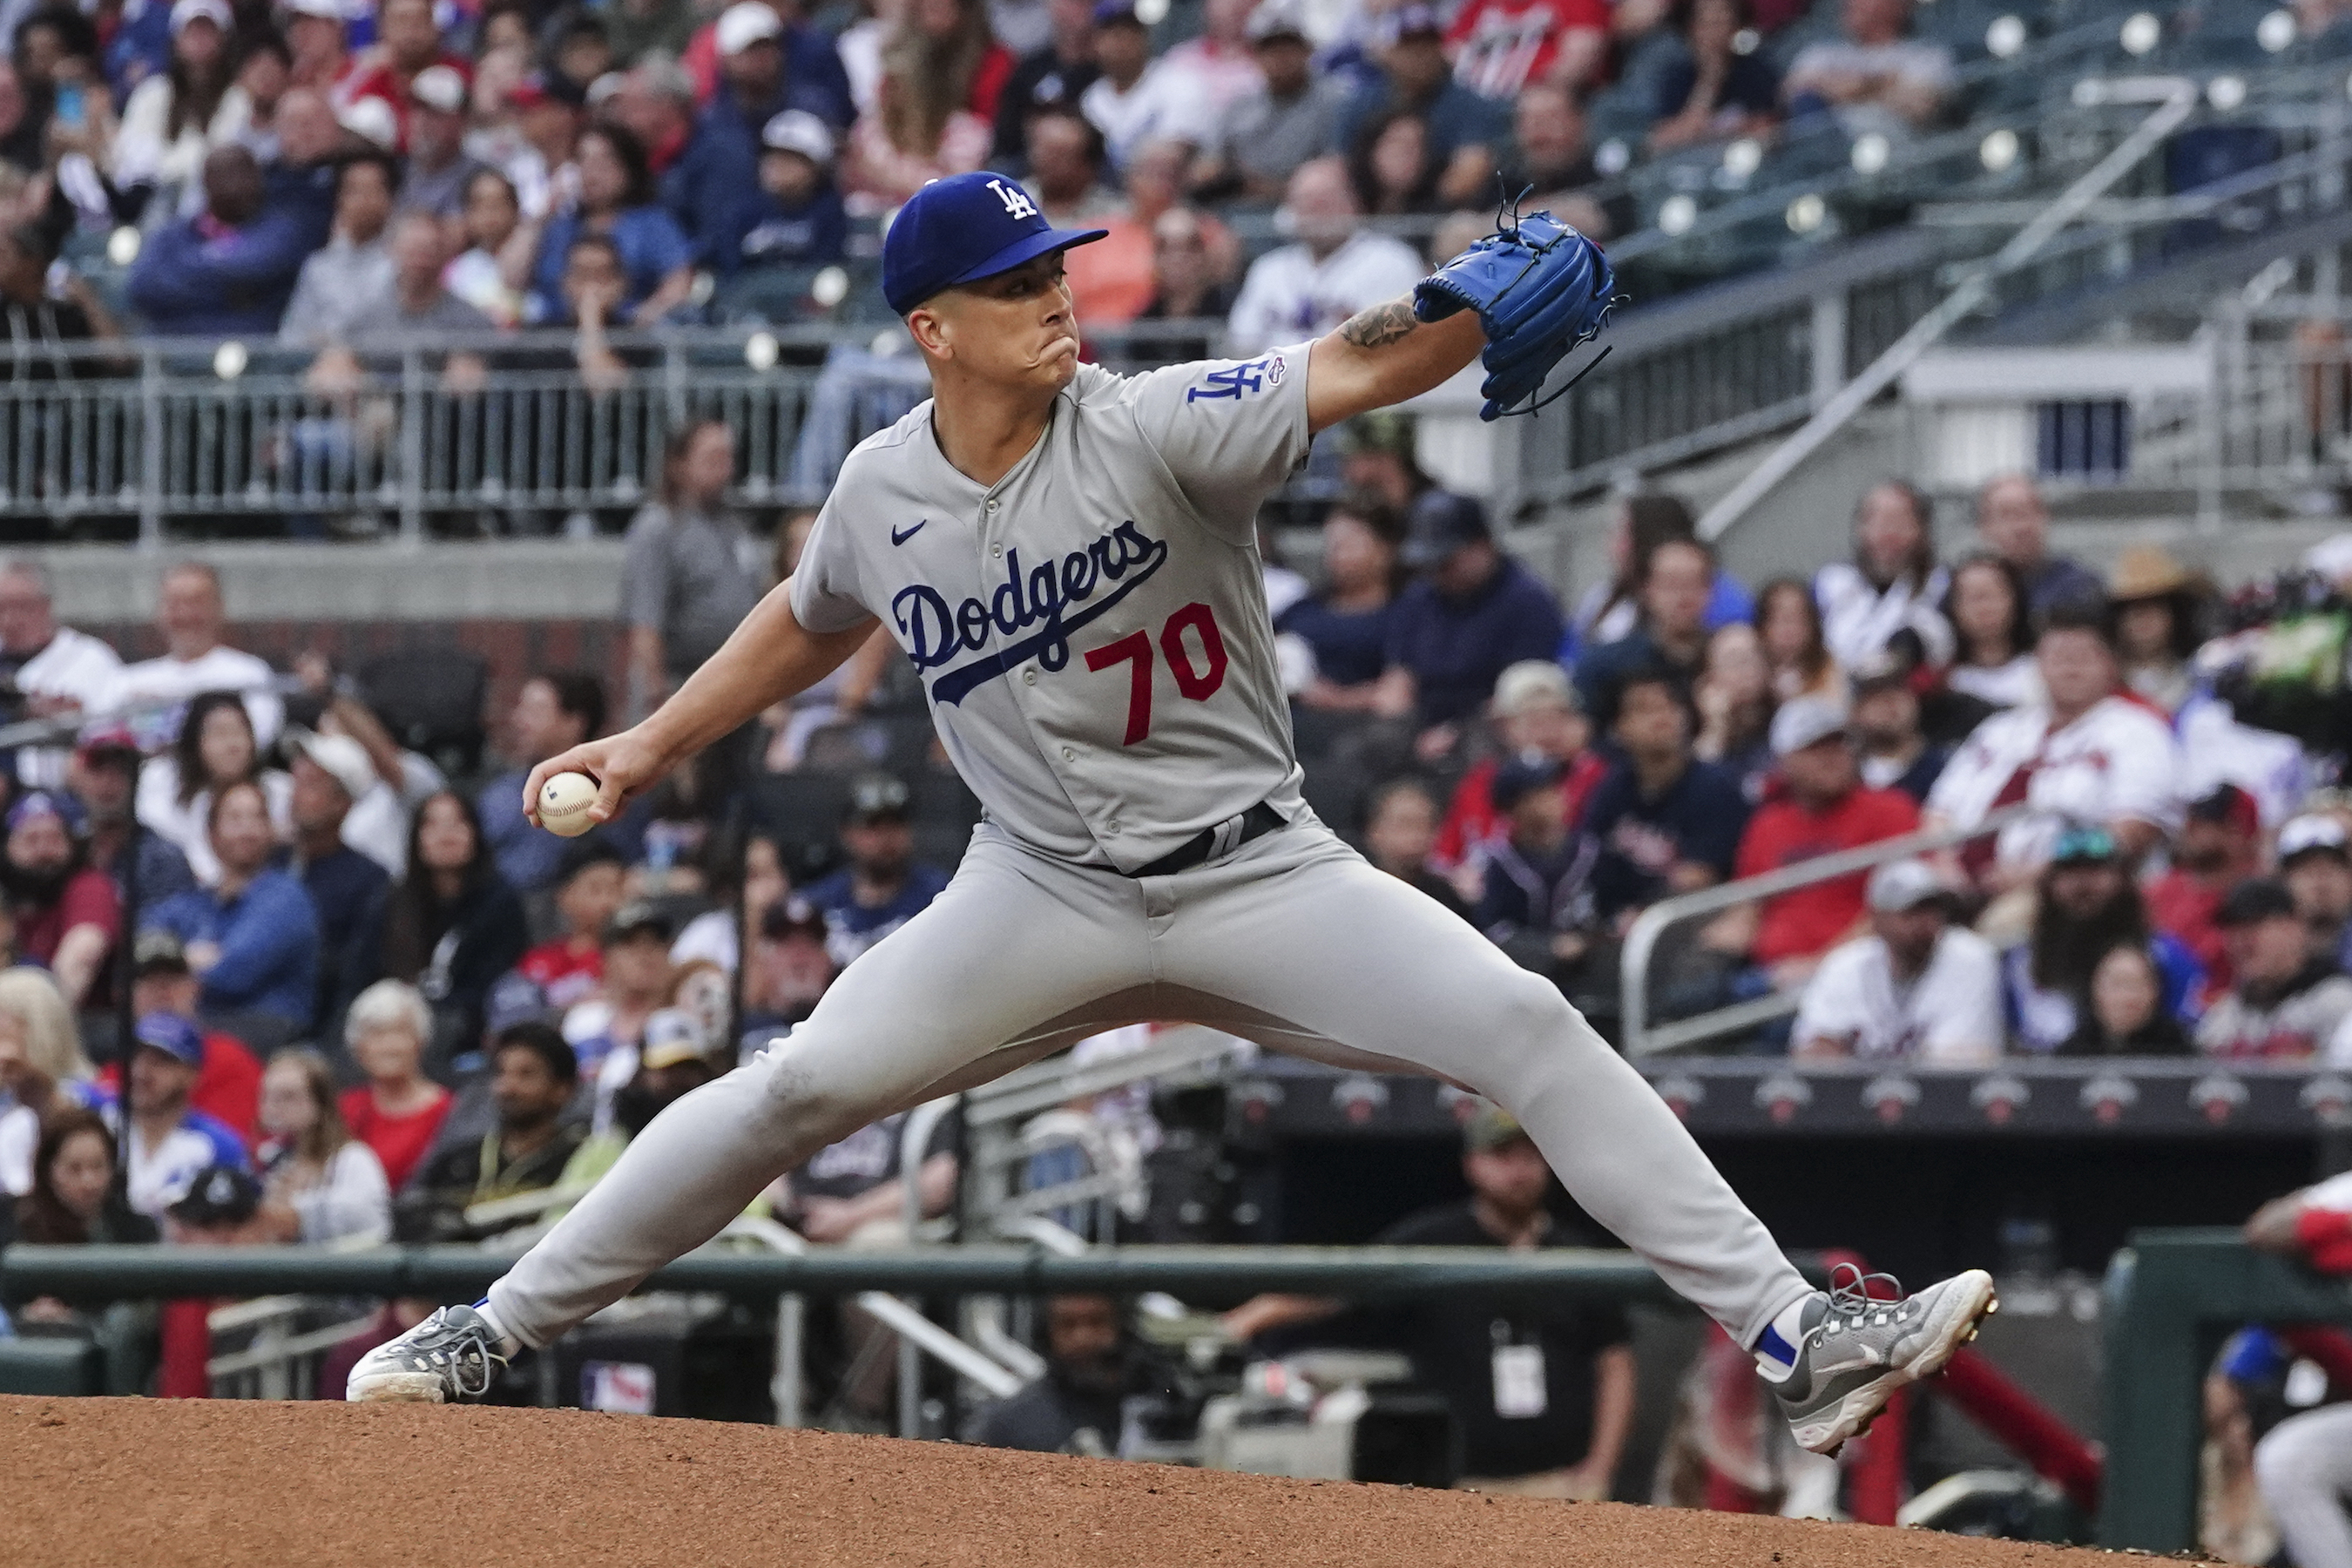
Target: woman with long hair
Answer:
pixel 42 1070
pixel 171 121
pixel 398 1111
pixel 453 926
pixel 616 202
pixel 1990 614
pixel 1343 628
pixel 920 128
pixel 76 1199
pixel 215 748
pixel 2126 1015
pixel 2155 602
pixel 319 1183
pixel 493 273
pixel 1610 611
pixel 1734 693
pixel 1392 167
pixel 1887 595
pixel 1788 625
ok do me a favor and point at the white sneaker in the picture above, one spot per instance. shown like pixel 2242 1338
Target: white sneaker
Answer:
pixel 451 1356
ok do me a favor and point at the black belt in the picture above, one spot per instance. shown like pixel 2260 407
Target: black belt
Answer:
pixel 1211 843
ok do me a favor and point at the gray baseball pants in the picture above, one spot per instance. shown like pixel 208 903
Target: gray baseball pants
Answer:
pixel 2304 1467
pixel 1293 941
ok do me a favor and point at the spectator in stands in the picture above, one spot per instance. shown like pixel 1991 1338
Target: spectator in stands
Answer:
pixel 636 975
pixel 1992 630
pixel 569 968
pixel 68 917
pixel 673 1064
pixel 198 658
pixel 453 925
pixel 2013 522
pixel 100 776
pixel 2219 846
pixel 1823 808
pixel 1471 614
pixel 228 270
pixel 616 201
pixel 417 302
pixel 687 582
pixel 2124 1014
pixel 1894 754
pixel 883 886
pixel 34 321
pixel 1413 74
pixel 534 1073
pixel 350 890
pixel 1288 117
pixel 1216 68
pixel 1109 280
pixel 1892 587
pixel 1610 610
pixel 1671 633
pixel 408 43
pixel 314 33
pixel 53 670
pixel 319 1183
pixel 1535 897
pixel 2086 903
pixel 1789 624
pixel 2090 755
pixel 1186 284
pixel 171 120
pixel 170 1141
pixel 492 274
pixel 1502 46
pixel 1389 165
pixel 1543 1394
pixel 789 972
pixel 1535 715
pixel 855 1189
pixel 920 128
pixel 2154 604
pixel 2315 861
pixel 745 884
pixel 1344 628
pixel 252 938
pixel 397 1111
pixel 794 66
pixel 74 1200
pixel 43 1072
pixel 1665 822
pixel 555 711
pixel 1548 150
pixel 2286 1002
pixel 797 219
pixel 1401 836
pixel 1710 92
pixel 215 748
pixel 1874 79
pixel 1055 74
pixel 1917 987
pixel 1734 693
pixel 1094 1364
pixel 228 1083
pixel 1133 99
pixel 1335 269
pixel 439 167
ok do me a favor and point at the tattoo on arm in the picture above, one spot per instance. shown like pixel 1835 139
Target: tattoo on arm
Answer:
pixel 1380 326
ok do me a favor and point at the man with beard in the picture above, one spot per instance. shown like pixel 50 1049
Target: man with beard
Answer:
pixel 1093 1364
pixel 68 917
pixel 533 1075
pixel 2288 1003
pixel 2221 845
pixel 883 886
pixel 2086 904
pixel 2315 861
pixel 673 1062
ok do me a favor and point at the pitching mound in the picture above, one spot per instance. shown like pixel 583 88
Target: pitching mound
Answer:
pixel 156 1482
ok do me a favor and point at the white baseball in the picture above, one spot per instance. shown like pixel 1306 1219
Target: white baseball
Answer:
pixel 563 803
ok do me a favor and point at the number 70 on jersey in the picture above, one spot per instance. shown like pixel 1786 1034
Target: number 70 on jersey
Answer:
pixel 1198 681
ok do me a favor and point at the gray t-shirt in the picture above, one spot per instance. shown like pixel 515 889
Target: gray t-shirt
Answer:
pixel 1091 630
pixel 1268 140
pixel 691 577
pixel 447 314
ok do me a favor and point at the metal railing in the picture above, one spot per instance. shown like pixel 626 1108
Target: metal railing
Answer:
pixel 1643 1038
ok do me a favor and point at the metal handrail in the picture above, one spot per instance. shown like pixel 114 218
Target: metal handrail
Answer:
pixel 1642 938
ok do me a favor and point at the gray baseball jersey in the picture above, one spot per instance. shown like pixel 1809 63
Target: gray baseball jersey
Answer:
pixel 1091 629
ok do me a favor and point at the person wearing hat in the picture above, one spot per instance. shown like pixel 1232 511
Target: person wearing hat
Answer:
pixel 635 981
pixel 1536 715
pixel 2155 600
pixel 315 34
pixel 798 220
pixel 2084 903
pixel 1918 988
pixel 1412 74
pixel 756 71
pixel 1543 1394
pixel 883 886
pixel 675 1060
pixel 1822 807
pixel 1134 99
pixel 533 1073
pixel 228 1081
pixel 349 889
pixel 1335 269
pixel 438 164
pixel 171 1141
pixel 176 116
pixel 2013 521
pixel 1893 749
pixel 1288 116
pixel 568 967
pixel 408 43
pixel 68 914
pixel 2219 846
pixel 2315 861
pixel 1469 614
pixel 1535 893
pixel 2285 1003
pixel 100 775
pixel 1671 633
pixel 789 972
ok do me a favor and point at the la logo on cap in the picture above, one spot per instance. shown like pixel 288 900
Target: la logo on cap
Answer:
pixel 1016 200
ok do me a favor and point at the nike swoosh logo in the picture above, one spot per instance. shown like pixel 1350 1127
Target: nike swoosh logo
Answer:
pixel 899 538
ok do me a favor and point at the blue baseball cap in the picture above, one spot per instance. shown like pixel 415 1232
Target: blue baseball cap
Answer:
pixel 962 229
pixel 172 1034
pixel 50 803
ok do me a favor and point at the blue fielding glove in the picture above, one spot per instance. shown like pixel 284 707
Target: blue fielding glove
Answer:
pixel 1539 288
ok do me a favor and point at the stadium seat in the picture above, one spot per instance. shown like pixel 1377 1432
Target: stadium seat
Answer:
pixel 803 811
pixel 431 699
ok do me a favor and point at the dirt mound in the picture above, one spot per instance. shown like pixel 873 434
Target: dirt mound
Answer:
pixel 156 1482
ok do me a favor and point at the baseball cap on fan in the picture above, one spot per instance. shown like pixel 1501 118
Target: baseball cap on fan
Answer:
pixel 964 228
pixel 1806 721
pixel 743 24
pixel 440 88
pixel 2315 833
pixel 1901 886
pixel 1440 524
pixel 343 759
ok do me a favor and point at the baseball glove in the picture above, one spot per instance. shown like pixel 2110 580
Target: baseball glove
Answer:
pixel 1539 288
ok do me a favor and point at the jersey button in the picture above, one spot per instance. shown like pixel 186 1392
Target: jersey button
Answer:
pixel 996 550
pixel 1110 828
pixel 992 506
pixel 1069 753
pixel 1028 678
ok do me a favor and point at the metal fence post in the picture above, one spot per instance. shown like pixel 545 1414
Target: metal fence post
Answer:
pixel 151 456
pixel 411 446
pixel 1829 344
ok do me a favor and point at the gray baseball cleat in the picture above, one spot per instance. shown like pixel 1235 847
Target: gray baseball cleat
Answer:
pixel 1854 1350
pixel 452 1355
